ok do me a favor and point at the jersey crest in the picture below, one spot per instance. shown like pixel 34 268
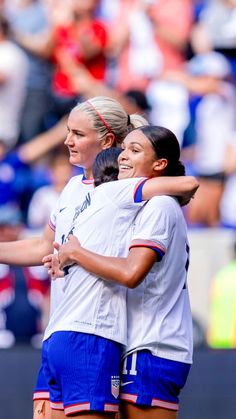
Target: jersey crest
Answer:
pixel 115 386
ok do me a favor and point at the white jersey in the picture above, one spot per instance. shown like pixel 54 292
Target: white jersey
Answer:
pixel 71 197
pixel 159 315
pixel 102 224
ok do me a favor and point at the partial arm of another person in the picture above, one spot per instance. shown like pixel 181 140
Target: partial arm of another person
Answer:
pixel 27 252
pixel 199 85
pixel 3 78
pixel 183 187
pixel 40 44
pixel 43 143
pixel 230 160
pixel 129 271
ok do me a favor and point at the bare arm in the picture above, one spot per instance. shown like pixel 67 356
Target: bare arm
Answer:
pixel 3 78
pixel 128 271
pixel 230 160
pixel 44 142
pixel 199 85
pixel 28 252
pixel 183 186
pixel 41 44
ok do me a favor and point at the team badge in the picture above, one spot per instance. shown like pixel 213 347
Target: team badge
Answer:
pixel 115 386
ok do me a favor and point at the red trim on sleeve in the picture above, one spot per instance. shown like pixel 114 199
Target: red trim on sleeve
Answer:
pixel 150 244
pixel 51 225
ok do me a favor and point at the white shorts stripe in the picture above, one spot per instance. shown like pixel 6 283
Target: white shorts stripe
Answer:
pixel 77 408
pixel 155 402
pixel 166 405
pixel 111 407
pixel 57 405
pixel 129 397
pixel 41 395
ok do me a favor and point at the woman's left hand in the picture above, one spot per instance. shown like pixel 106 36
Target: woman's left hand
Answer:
pixel 51 262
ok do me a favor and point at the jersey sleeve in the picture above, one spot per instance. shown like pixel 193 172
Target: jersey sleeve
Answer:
pixel 59 204
pixel 53 216
pixel 154 224
pixel 124 193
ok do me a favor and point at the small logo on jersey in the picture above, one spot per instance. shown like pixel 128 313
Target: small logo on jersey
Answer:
pixel 115 386
pixel 62 209
pixel 122 384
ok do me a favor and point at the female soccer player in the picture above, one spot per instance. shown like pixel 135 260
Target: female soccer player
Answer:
pixel 93 125
pixel 92 307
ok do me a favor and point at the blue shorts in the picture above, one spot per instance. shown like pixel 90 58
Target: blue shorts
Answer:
pixel 148 380
pixel 41 391
pixel 82 372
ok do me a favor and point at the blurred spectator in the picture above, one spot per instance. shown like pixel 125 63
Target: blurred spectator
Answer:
pixel 74 45
pixel 2 6
pixel 7 338
pixel 10 228
pixel 79 44
pixel 212 104
pixel 136 102
pixel 22 290
pixel 214 127
pixel 228 200
pixel 13 73
pixel 222 321
pixel 108 10
pixel 172 21
pixel 15 179
pixel 43 200
pixel 133 45
pixel 58 11
pixel 218 18
pixel 147 39
pixel 29 18
pixel 170 106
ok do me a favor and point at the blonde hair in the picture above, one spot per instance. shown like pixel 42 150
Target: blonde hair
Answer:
pixel 108 115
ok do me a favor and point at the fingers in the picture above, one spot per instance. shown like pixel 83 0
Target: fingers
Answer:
pixel 56 245
pixel 51 263
pixel 47 258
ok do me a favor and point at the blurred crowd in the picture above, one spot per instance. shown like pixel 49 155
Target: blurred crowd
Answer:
pixel 172 60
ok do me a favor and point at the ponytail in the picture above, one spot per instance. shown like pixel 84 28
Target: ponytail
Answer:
pixel 176 169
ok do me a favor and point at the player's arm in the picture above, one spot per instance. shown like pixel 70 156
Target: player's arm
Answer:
pixel 128 271
pixel 28 252
pixel 43 143
pixel 180 186
pixel 40 44
pixel 3 78
pixel 230 160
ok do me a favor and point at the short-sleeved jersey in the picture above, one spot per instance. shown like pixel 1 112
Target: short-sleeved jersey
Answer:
pixel 159 315
pixel 102 224
pixel 72 196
